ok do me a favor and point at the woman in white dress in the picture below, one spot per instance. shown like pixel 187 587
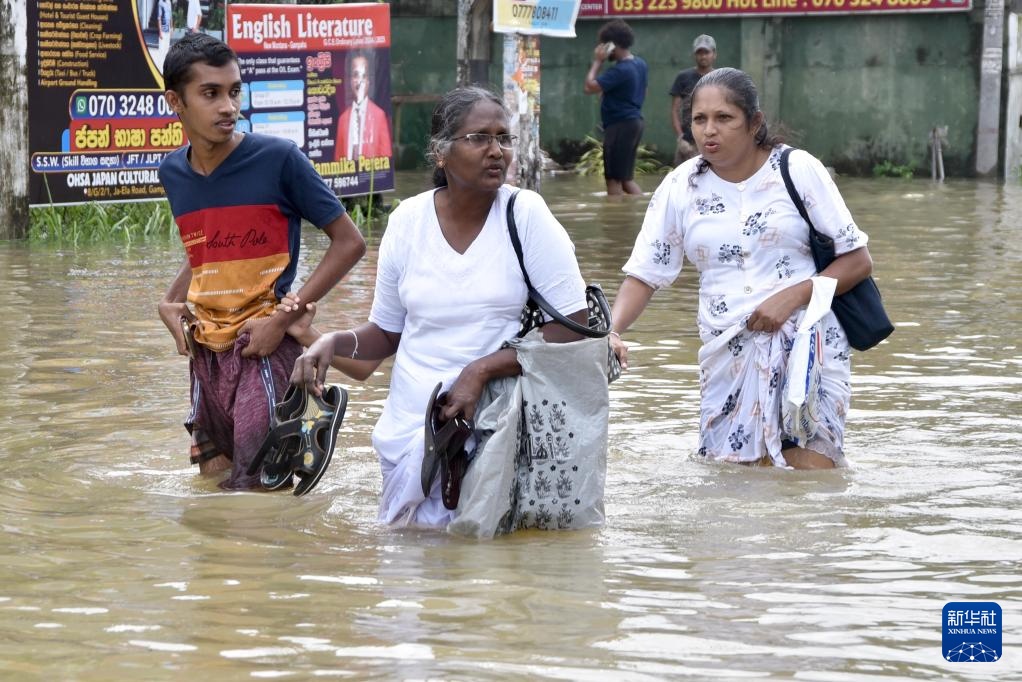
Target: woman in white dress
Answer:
pixel 449 292
pixel 727 211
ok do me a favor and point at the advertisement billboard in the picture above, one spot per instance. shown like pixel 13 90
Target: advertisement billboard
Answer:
pixel 634 9
pixel 320 75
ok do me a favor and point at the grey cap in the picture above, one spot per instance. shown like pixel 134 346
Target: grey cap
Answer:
pixel 704 42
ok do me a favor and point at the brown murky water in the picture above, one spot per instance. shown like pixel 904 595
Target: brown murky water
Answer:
pixel 119 563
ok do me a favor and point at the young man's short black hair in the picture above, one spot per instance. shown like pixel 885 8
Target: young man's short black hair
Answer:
pixel 194 47
pixel 618 32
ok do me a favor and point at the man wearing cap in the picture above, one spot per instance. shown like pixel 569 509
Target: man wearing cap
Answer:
pixel 704 49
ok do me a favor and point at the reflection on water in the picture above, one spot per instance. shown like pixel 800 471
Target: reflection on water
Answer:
pixel 116 553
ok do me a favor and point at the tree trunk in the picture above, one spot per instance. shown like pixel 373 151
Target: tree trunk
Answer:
pixel 474 18
pixel 14 166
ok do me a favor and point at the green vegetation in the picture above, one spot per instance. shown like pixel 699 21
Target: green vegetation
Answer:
pixel 886 169
pixel 365 209
pixel 95 222
pixel 133 222
pixel 591 161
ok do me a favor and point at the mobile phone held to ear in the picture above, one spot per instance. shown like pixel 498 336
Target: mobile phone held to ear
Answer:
pixel 608 48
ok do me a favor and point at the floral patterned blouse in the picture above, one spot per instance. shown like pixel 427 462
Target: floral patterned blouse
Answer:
pixel 746 239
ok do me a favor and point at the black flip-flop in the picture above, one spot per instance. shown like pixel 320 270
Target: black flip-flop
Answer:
pixel 444 450
pixel 430 460
pixel 301 438
pixel 280 445
pixel 320 424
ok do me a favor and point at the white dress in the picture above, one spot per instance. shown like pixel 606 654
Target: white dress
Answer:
pixel 748 241
pixel 451 309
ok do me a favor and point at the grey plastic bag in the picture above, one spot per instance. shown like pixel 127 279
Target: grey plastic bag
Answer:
pixel 542 457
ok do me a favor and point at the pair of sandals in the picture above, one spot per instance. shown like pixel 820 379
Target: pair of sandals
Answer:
pixel 445 450
pixel 302 437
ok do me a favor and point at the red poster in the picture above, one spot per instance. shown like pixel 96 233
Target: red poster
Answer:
pixel 319 75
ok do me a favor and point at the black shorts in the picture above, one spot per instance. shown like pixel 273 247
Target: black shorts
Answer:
pixel 620 145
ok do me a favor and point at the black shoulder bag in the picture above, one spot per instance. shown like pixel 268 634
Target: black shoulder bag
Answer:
pixel 859 310
pixel 532 313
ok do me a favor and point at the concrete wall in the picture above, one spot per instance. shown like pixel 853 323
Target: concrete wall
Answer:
pixel 867 89
pixel 423 63
pixel 854 90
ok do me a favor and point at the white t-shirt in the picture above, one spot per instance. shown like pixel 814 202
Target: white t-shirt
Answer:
pixel 746 239
pixel 453 308
pixel 194 12
pixel 356 124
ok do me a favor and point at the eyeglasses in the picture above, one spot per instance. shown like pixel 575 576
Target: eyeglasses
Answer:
pixel 480 140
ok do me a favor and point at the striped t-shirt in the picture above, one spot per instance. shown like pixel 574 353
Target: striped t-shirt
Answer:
pixel 241 229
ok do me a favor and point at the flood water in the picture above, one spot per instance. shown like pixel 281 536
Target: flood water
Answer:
pixel 119 562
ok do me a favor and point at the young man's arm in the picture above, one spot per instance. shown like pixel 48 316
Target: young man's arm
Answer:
pixel 173 307
pixel 346 248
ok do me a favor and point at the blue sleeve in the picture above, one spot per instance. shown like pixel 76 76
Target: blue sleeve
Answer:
pixel 612 78
pixel 307 192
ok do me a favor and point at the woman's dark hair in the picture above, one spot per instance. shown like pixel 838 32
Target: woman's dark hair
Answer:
pixel 618 32
pixel 740 91
pixel 448 115
pixel 194 47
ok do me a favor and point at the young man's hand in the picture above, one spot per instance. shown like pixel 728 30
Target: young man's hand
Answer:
pixel 265 334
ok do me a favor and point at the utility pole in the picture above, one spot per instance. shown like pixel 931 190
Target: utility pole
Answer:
pixel 522 97
pixel 991 63
pixel 13 119
pixel 474 18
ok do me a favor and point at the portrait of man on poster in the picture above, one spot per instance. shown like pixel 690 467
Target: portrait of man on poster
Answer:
pixel 363 129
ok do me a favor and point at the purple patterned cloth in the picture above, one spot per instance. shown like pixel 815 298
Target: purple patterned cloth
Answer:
pixel 232 398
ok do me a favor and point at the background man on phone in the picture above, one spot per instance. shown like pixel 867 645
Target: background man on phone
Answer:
pixel 623 90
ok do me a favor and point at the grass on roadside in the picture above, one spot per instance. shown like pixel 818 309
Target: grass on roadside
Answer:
pixel 95 222
pixel 142 221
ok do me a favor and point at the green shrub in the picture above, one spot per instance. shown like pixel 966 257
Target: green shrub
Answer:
pixel 96 222
pixel 140 221
pixel 886 169
pixel 591 161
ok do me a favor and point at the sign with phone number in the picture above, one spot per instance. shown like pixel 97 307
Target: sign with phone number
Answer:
pixel 660 8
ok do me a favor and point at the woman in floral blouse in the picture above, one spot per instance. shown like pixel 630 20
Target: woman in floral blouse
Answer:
pixel 727 211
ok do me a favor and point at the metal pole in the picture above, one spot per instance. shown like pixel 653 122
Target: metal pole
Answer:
pixel 988 131
pixel 14 163
pixel 940 159
pixel 465 23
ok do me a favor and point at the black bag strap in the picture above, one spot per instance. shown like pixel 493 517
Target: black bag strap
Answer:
pixel 792 192
pixel 535 295
pixel 821 246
